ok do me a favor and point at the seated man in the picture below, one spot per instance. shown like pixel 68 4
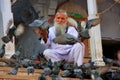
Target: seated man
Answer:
pixel 68 52
pixel 62 39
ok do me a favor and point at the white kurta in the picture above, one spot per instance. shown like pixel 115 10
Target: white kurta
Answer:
pixel 58 52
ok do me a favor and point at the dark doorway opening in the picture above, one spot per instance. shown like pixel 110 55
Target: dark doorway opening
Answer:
pixel 109 50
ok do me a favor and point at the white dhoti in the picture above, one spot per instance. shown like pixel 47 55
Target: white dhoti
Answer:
pixel 76 54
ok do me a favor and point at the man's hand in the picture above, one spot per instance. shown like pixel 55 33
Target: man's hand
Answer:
pixel 43 33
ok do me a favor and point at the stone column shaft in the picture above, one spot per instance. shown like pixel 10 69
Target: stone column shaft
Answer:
pixel 95 33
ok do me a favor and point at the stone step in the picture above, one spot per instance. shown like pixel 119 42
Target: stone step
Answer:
pixel 22 74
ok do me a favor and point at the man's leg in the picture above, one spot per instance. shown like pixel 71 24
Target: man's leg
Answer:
pixel 51 54
pixel 77 53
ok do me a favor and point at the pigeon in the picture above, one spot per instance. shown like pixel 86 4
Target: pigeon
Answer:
pixel 14 70
pixel 9 36
pixel 16 55
pixel 116 75
pixel 48 68
pixel 25 62
pixel 56 77
pixel 13 31
pixel 88 25
pixel 95 75
pixel 42 77
pixel 37 23
pixel 55 69
pixel 107 60
pixel 2 51
pixel 35 57
pixel 41 64
pixel 87 65
pixel 86 69
pixel 77 72
pixel 66 39
pixel 108 76
pixel 67 66
pixel 47 71
pixel 49 64
pixel 30 69
pixel 85 34
pixel 42 22
pixel 67 73
pixel 111 61
pixel 61 63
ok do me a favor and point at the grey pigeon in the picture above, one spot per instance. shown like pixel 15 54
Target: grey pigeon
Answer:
pixel 67 73
pixel 2 51
pixel 56 77
pixel 9 36
pixel 25 62
pixel 47 71
pixel 65 39
pixel 77 71
pixel 95 75
pixel 116 75
pixel 40 23
pixel 67 66
pixel 16 55
pixel 49 64
pixel 14 70
pixel 42 77
pixel 24 12
pixel 30 69
pixel 87 65
pixel 107 60
pixel 36 23
pixel 92 22
pixel 55 69
pixel 89 24
pixel 48 67
pixel 111 61
pixel 41 64
pixel 84 33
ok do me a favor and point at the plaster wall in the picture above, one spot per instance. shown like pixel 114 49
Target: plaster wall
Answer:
pixel 110 25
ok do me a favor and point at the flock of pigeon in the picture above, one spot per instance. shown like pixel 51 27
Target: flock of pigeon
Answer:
pixel 85 71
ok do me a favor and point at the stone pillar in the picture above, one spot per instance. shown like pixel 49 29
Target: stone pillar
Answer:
pixel 95 40
pixel 5 16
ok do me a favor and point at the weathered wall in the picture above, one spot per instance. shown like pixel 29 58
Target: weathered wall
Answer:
pixel 110 25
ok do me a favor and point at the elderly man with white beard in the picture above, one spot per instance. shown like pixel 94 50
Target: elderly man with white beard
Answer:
pixel 68 52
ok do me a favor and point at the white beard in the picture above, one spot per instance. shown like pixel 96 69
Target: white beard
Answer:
pixel 60 28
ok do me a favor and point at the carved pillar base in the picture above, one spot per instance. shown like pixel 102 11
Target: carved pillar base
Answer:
pixel 99 63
